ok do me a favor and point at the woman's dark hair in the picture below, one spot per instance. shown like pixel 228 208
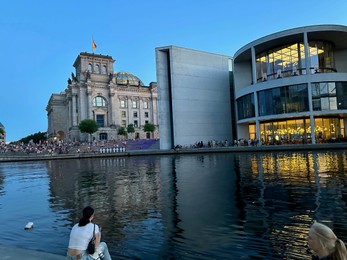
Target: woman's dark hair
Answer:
pixel 87 213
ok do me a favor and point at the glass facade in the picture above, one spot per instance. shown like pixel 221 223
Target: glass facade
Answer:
pixel 283 100
pixel 326 96
pixel 293 131
pixel 245 106
pixel 289 60
pixel 329 96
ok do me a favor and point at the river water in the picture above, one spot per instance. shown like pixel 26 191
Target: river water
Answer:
pixel 210 206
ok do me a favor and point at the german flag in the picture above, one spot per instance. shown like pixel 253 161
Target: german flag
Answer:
pixel 93 45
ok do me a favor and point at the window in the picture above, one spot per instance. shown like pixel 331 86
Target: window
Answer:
pixel 124 113
pixel 100 120
pixel 146 122
pixel 145 104
pixel 290 60
pixel 327 96
pixel 99 102
pixel 124 123
pixel 103 136
pixel 90 67
pixel 122 104
pixel 103 69
pixel 134 104
pixel 287 99
pixel 146 114
pixel 135 123
pixel 97 68
pixel 135 114
pixel 245 106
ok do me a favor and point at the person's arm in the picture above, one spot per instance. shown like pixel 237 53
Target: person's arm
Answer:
pixel 98 238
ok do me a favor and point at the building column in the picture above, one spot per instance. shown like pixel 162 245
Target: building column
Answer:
pixel 89 103
pixel 307 54
pixel 74 112
pixel 256 112
pixel 69 109
pixel 140 113
pixel 310 106
pixel 110 109
pixel 254 67
pixel 128 110
pixel 82 105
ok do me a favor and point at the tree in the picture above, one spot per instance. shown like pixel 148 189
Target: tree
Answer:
pixel 149 127
pixel 130 129
pixel 36 138
pixel 122 131
pixel 88 126
pixel 2 132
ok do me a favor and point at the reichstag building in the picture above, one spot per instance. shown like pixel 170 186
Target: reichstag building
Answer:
pixel 112 99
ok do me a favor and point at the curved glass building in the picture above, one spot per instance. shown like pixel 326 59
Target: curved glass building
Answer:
pixel 291 86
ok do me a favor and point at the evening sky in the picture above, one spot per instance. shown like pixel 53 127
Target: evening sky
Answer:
pixel 40 40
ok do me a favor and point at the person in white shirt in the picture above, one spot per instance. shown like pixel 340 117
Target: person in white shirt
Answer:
pixel 81 234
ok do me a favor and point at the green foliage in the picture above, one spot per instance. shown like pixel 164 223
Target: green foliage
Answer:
pixel 2 131
pixel 122 131
pixel 88 126
pixel 36 138
pixel 131 128
pixel 148 127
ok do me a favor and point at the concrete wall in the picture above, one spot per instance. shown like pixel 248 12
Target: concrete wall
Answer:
pixel 193 95
pixel 340 60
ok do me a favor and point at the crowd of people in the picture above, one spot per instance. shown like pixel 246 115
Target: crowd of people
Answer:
pixel 58 147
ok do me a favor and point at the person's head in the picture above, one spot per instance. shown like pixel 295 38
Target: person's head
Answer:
pixel 88 214
pixel 323 241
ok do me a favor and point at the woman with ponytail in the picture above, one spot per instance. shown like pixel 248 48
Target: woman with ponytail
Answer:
pixel 80 236
pixel 325 244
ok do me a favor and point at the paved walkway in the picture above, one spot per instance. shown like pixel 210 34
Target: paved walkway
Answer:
pixel 18 253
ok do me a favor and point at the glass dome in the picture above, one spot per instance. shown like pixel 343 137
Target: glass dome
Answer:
pixel 125 78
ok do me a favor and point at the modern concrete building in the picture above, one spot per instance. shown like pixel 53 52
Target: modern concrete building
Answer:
pixel 194 96
pixel 112 99
pixel 291 86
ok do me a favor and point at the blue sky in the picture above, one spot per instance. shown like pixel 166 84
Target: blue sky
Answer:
pixel 40 40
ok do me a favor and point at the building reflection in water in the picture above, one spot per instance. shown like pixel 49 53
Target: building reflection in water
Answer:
pixel 283 193
pixel 205 206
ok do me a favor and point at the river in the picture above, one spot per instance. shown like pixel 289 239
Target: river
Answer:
pixel 203 206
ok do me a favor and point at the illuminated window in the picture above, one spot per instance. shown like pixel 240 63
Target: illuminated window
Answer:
pixel 290 60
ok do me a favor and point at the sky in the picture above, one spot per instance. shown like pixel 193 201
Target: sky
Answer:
pixel 40 40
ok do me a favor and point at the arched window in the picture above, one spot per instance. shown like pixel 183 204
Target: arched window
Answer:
pixel 104 69
pixel 90 67
pixel 97 68
pixel 99 102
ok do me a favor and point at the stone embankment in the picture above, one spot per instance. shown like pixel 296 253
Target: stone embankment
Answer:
pixel 13 157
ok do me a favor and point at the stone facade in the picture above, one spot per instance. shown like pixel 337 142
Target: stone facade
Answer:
pixel 2 136
pixel 112 99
